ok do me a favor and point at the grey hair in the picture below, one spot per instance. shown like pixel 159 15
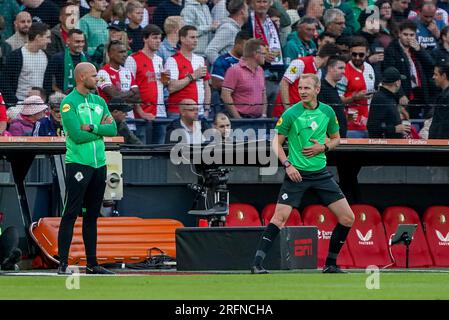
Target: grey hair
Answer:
pixel 55 99
pixel 330 15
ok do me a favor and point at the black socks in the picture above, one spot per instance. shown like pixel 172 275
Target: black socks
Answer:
pixel 336 243
pixel 265 243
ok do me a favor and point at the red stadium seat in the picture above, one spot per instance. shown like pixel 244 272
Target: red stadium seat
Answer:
pixel 293 220
pixel 242 215
pixel 366 241
pixel 325 221
pixel 419 255
pixel 436 227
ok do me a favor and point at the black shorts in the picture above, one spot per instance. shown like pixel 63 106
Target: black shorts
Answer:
pixel 321 181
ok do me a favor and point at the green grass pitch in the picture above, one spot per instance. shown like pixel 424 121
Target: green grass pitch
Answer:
pixel 279 285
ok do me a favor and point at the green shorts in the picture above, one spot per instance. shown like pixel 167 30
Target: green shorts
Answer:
pixel 321 181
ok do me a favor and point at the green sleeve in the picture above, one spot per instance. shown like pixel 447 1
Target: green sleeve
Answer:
pixel 332 126
pixel 285 18
pixel 290 51
pixel 106 130
pixel 72 126
pixel 284 123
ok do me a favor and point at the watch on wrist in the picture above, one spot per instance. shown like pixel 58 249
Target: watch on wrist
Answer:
pixel 91 127
pixel 286 164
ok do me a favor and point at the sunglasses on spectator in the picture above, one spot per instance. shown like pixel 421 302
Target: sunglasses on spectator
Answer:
pixel 358 54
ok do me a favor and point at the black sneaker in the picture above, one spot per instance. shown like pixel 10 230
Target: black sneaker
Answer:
pixel 64 269
pixel 259 270
pixel 10 263
pixel 98 270
pixel 333 269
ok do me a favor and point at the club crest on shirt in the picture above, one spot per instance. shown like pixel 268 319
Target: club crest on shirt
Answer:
pixel 293 70
pixel 66 107
pixel 279 121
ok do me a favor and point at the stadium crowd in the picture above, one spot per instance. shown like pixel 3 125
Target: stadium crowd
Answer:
pixel 166 63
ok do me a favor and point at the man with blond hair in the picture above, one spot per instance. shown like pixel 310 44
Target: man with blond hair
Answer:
pixel 172 25
pixel 307 125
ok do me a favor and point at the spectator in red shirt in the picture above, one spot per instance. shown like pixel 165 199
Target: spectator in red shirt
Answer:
pixel 357 88
pixel 117 82
pixel 288 89
pixel 189 78
pixel 243 89
pixel 147 68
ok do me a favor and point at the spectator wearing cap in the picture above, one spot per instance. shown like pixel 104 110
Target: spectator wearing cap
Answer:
pixel 33 110
pixel 117 32
pixel 59 75
pixel 384 120
pixel 187 128
pixel 22 24
pixel 166 9
pixel 223 41
pixel 68 20
pixel 243 90
pixel 25 67
pixel 134 13
pixel 350 25
pixel 439 129
pixel 93 26
pixel 119 110
pixel 172 25
pixel 51 125
pixel 300 43
pixel 196 13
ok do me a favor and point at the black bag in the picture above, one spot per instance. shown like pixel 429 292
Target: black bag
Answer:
pixel 159 261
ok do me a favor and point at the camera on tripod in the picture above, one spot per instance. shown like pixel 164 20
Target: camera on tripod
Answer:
pixel 215 193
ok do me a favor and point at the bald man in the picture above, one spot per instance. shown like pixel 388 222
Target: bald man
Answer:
pixel 86 120
pixel 187 128
pixel 22 24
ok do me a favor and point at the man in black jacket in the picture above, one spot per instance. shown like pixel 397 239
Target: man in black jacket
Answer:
pixel 415 64
pixel 384 120
pixel 187 129
pixel 439 129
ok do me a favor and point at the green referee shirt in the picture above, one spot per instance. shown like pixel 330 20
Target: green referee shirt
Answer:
pixel 300 125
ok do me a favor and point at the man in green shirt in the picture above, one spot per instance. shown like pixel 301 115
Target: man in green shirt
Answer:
pixel 306 125
pixel 86 120
pixel 93 26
